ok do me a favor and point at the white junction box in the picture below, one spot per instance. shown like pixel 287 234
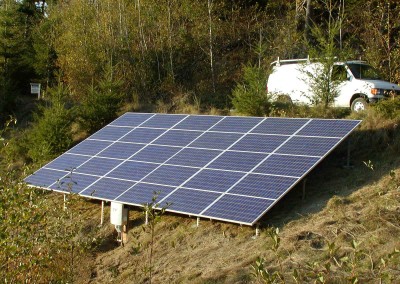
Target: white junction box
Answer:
pixel 118 214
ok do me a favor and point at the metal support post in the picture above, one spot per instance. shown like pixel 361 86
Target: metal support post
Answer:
pixel 102 213
pixel 198 222
pixel 304 189
pixel 65 202
pixel 348 154
pixel 146 221
pixel 257 230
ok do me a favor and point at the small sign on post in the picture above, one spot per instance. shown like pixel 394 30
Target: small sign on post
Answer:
pixel 35 89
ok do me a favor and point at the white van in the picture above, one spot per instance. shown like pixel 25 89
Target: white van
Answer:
pixel 357 82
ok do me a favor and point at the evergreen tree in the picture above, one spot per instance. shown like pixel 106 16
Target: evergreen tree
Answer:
pixel 250 96
pixel 51 134
pixel 17 20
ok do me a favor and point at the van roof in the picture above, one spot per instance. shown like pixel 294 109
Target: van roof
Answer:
pixel 308 59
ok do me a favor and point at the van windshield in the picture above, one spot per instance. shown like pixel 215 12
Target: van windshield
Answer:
pixel 364 71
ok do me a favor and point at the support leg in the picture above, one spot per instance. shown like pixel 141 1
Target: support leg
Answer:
pixel 304 189
pixel 146 221
pixel 102 213
pixel 348 154
pixel 257 230
pixel 65 202
pixel 198 222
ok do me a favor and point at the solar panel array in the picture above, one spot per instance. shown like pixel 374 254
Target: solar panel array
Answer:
pixel 220 167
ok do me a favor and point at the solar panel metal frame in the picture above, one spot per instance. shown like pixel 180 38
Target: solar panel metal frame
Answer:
pixel 258 121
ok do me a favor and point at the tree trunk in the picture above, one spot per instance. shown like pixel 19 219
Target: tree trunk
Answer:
pixel 307 21
pixel 209 6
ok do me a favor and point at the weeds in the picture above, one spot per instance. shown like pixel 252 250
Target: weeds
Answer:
pixel 153 215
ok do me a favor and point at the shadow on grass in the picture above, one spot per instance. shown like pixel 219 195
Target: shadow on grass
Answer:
pixel 332 178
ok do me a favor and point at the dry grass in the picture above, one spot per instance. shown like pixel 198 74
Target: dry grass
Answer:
pixel 360 204
pixel 355 204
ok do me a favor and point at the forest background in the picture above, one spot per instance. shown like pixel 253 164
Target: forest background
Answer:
pixel 94 57
pixel 98 59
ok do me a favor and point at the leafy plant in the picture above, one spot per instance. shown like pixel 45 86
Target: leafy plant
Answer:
pixel 324 48
pixel 260 271
pixel 153 215
pixel 51 132
pixel 101 104
pixel 389 108
pixel 250 96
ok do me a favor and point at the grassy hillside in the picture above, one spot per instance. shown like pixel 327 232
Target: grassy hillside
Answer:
pixel 345 229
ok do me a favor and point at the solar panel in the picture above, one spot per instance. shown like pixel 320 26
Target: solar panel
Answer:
pixel 225 168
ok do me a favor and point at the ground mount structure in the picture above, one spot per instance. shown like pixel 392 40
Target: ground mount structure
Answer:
pixel 225 168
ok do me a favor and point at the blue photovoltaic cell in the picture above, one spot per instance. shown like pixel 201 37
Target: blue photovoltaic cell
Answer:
pixel 67 162
pixel 198 122
pixel 285 165
pixel 98 166
pixel 90 147
pixel 227 168
pixel 107 188
pixel 120 150
pixel 131 119
pixel 309 146
pixel 132 170
pixel 142 135
pixel 74 182
pixel 110 133
pixel 259 143
pixel 214 180
pixel 284 126
pixel 190 201
pixel 143 193
pixel 328 128
pixel 194 157
pixel 237 124
pixel 263 186
pixel 238 208
pixel 155 154
pixel 170 175
pixel 44 177
pixel 163 121
pixel 216 140
pixel 177 138
pixel 237 161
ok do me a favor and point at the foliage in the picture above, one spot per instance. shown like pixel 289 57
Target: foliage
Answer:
pixel 17 19
pixel 323 88
pixel 101 104
pixel 160 52
pixel 153 214
pixel 379 41
pixel 23 250
pixel 36 234
pixel 389 108
pixel 50 133
pixel 250 96
pixel 260 271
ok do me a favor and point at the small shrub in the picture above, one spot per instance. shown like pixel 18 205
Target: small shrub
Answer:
pixel 389 108
pixel 101 104
pixel 250 96
pixel 51 133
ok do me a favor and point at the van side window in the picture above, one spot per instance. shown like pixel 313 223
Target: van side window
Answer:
pixel 339 73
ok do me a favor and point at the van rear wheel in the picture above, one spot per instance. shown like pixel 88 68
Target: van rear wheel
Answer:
pixel 359 104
